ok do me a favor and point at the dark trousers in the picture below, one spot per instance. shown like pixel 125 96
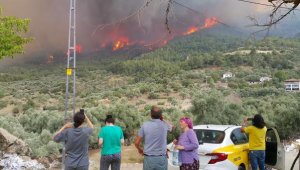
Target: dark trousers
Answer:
pixel 113 160
pixel 77 168
pixel 192 166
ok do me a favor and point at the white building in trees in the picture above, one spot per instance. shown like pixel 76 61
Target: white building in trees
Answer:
pixel 292 85
pixel 227 75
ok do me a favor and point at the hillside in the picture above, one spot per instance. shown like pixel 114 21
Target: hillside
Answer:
pixel 184 78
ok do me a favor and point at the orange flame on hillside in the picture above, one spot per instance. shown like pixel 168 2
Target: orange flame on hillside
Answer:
pixel 117 40
pixel 191 30
pixel 209 22
pixel 78 48
pixel 120 43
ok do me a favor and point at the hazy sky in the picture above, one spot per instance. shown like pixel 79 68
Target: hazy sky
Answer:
pixel 49 19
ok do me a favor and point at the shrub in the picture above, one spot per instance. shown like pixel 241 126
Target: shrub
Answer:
pixel 29 104
pixel 45 136
pixel 51 107
pixel 176 86
pixel 3 104
pixel 15 110
pixel 184 94
pixel 140 102
pixel 160 103
pixel 2 94
pixel 53 148
pixel 153 95
pixel 132 92
pixel 173 101
pixel 40 152
pixel 36 121
pixel 145 88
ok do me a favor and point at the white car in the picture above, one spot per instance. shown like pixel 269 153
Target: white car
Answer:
pixel 225 147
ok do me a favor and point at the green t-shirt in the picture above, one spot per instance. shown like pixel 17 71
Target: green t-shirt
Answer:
pixel 111 136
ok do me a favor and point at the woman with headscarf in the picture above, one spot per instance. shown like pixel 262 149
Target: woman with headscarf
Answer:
pixel 257 141
pixel 76 139
pixel 187 145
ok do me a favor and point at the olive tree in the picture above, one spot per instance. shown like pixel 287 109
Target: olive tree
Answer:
pixel 11 39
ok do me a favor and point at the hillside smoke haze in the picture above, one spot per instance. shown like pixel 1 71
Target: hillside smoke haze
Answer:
pixel 49 21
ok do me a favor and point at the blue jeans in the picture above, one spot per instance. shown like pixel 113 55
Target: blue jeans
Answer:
pixel 257 159
pixel 155 163
pixel 113 160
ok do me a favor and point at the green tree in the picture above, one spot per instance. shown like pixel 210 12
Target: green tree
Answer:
pixel 11 39
pixel 208 107
pixel 281 75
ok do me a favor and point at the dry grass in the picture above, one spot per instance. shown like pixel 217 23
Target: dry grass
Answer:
pixel 131 155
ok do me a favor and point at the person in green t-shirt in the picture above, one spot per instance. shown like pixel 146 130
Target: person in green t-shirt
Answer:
pixel 110 139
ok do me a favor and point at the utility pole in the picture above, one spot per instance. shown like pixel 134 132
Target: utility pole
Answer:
pixel 71 66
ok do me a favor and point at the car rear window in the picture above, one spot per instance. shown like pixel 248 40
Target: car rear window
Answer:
pixel 209 136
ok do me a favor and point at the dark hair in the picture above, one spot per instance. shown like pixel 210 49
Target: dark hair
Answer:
pixel 258 121
pixel 78 118
pixel 156 112
pixel 109 119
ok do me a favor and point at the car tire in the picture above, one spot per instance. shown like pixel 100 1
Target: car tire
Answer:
pixel 241 167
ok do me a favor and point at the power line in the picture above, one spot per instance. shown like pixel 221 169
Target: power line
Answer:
pixel 262 4
pixel 180 4
pixel 195 11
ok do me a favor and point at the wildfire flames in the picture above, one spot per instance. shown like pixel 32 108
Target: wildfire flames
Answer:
pixel 191 31
pixel 210 22
pixel 121 43
pixel 78 48
pixel 118 39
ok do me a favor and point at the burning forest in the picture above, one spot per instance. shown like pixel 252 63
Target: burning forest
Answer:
pixel 116 26
pixel 111 27
pixel 122 37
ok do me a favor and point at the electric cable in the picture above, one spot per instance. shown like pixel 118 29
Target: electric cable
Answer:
pixel 195 11
pixel 295 160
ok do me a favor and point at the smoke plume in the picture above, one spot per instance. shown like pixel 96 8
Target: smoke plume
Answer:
pixel 101 23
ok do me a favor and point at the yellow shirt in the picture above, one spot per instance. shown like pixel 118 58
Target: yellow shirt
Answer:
pixel 257 137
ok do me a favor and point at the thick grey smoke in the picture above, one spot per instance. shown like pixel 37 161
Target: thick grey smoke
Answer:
pixel 49 20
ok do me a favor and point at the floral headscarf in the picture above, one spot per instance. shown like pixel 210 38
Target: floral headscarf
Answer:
pixel 188 121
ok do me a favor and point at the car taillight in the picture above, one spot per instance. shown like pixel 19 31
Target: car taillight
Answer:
pixel 216 157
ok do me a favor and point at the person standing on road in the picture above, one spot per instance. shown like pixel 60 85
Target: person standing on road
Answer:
pixel 76 139
pixel 257 141
pixel 110 139
pixel 187 145
pixel 154 134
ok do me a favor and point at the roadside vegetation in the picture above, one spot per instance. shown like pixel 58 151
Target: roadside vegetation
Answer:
pixel 184 78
